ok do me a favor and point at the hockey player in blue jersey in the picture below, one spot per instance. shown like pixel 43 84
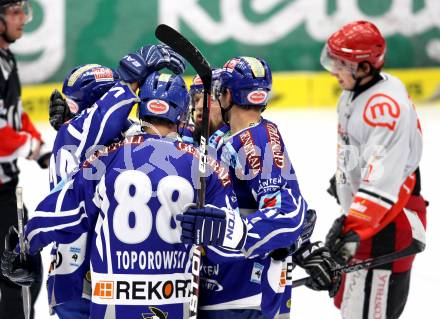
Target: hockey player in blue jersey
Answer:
pixel 90 126
pixel 270 204
pixel 139 266
pixel 196 98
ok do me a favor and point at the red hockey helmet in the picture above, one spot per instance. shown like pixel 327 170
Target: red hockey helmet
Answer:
pixel 355 42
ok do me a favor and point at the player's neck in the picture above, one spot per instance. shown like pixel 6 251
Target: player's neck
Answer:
pixel 243 118
pixel 160 129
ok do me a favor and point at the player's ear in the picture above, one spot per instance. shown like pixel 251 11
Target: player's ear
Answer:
pixel 365 68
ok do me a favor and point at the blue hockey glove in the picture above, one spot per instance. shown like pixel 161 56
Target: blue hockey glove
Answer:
pixel 342 247
pixel 23 273
pixel 213 226
pixel 309 226
pixel 136 66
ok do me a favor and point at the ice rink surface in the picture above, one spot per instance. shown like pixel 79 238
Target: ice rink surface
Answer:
pixel 310 136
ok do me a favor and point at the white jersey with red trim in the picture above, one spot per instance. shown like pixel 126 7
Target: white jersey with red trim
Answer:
pixel 379 147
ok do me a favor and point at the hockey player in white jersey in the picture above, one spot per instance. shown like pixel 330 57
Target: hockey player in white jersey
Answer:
pixel 377 178
pixel 129 193
pixel 90 126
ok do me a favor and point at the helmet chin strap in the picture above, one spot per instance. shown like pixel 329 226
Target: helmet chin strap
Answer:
pixel 225 111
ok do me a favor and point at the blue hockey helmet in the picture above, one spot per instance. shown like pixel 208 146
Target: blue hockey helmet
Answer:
pixel 163 96
pixel 197 84
pixel 249 79
pixel 85 84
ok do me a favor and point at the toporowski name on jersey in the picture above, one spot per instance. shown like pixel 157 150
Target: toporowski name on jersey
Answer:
pixel 126 289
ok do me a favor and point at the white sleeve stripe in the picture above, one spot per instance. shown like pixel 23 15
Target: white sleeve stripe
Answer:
pixel 74 132
pixel 37 231
pixel 293 213
pixel 59 214
pixel 85 132
pixel 375 200
pixel 225 254
pixel 273 234
pixel 107 115
pixel 60 198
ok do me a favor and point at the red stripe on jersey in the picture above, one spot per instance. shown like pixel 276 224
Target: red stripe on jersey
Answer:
pixel 404 232
pixel 11 140
pixel 29 127
pixel 367 218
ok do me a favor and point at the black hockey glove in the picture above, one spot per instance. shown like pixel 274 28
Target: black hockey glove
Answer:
pixel 136 66
pixel 23 273
pixel 316 260
pixel 309 226
pixel 342 247
pixel 59 111
pixel 44 159
pixel 332 188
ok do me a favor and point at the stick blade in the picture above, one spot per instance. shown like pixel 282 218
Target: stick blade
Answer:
pixel 186 49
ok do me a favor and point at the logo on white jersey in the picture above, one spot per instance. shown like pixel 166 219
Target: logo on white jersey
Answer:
pixel 382 110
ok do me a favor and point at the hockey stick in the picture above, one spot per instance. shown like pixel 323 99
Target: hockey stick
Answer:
pixel 185 48
pixel 417 245
pixel 25 291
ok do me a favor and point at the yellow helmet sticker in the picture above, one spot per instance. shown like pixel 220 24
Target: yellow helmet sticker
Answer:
pixel 75 75
pixel 256 66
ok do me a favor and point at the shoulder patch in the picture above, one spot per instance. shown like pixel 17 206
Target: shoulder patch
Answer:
pixel 252 156
pixel 275 145
pixel 382 110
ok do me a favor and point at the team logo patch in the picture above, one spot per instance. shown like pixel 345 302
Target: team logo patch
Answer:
pixel 103 74
pixel 271 201
pixel 257 272
pixel 158 106
pixel 382 110
pixel 230 65
pixel 155 313
pixel 104 289
pixel 257 97
pixel 283 278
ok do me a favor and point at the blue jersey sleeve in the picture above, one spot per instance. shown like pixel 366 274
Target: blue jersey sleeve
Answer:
pixel 65 214
pixel 266 186
pixel 106 120
pixel 96 126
